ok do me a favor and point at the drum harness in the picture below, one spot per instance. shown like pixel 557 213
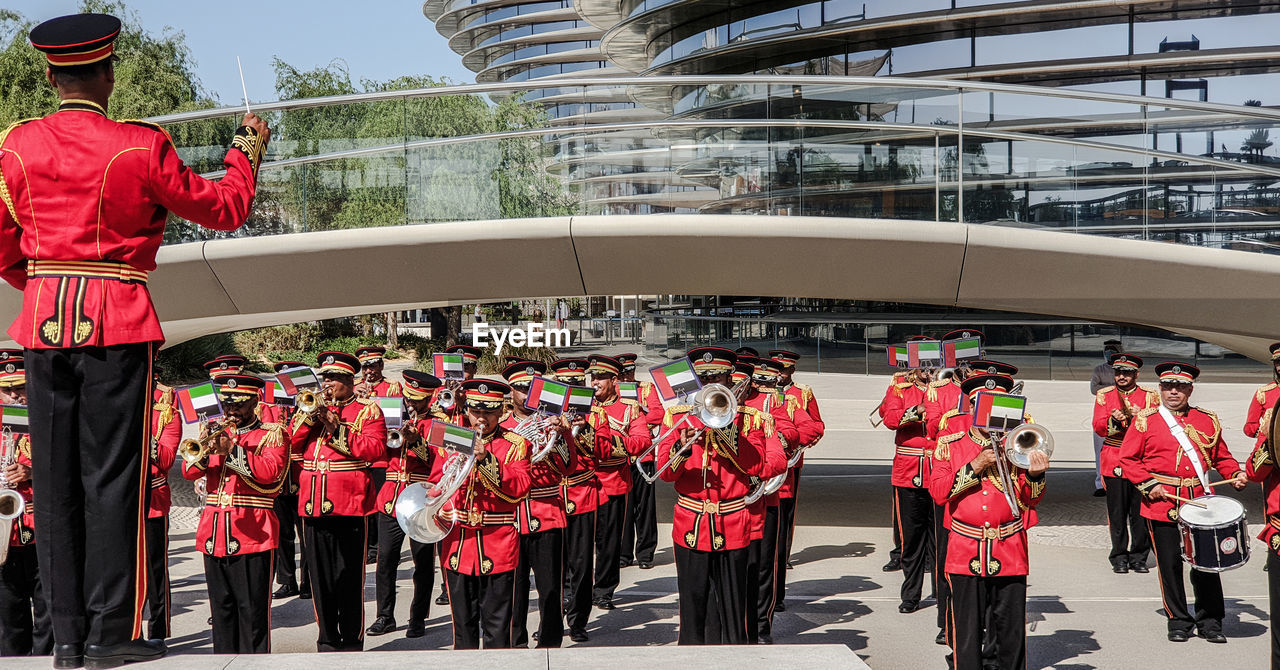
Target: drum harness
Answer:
pixel 1180 435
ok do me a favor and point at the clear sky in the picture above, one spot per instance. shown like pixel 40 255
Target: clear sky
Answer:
pixel 378 39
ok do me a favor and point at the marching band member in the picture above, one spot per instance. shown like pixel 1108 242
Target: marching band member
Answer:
pixel 711 524
pixel 482 549
pixel 1113 412
pixel 640 528
pixel 1262 468
pixel 987 560
pixel 247 464
pixel 895 554
pixel 904 413
pixel 411 462
pixel 631 437
pixel 335 497
pixel 541 519
pixel 286 506
pixel 470 359
pixel 372 384
pixel 1264 398
pixel 790 492
pixel 25 628
pixel 226 364
pixel 1160 460
pixel 166 433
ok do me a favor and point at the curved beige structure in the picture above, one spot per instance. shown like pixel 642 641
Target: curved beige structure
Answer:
pixel 1217 295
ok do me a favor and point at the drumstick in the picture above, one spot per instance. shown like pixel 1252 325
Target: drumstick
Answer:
pixel 1224 481
pixel 1189 502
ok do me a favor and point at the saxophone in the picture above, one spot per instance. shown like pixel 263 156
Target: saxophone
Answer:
pixel 11 502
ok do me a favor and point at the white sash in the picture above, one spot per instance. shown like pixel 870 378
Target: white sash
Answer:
pixel 1181 436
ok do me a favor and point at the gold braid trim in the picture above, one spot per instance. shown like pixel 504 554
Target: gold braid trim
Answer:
pixel 1204 442
pixel 24 446
pixel 274 438
pixel 942 423
pixel 1140 421
pixel 489 473
pixel 1261 395
pixel 931 394
pixel 941 451
pixel 806 396
pixel 165 406
pixel 1102 395
pixel 1261 456
pixel 668 419
pixel 899 388
pixel 996 482
pixel 5 196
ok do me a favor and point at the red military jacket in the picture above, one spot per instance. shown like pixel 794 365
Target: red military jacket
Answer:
pixel 1263 399
pixel 940 397
pixel 238 517
pixel 1151 455
pixel 411 463
pixel 987 538
pixel 85 201
pixel 1112 431
pixel 335 468
pixel 166 433
pixel 913 451
pixel 484 539
pixel 581 487
pixel 712 477
pixel 630 438
pixel 787 419
pixel 22 533
pixel 1262 468
pixel 543 508
pixel 810 431
pixel 651 403
pixel 385 389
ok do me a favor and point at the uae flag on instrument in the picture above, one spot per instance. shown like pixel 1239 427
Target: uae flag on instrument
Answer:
pixel 273 392
pixel 453 438
pixel 897 355
pixel 292 379
pixel 629 390
pixel 954 351
pixel 447 366
pixel 199 402
pixel 546 396
pixel 675 379
pixel 924 354
pixel 392 410
pixel 580 399
pixel 13 418
pixel 997 411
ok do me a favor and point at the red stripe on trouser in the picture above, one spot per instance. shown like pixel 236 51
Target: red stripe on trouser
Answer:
pixel 140 559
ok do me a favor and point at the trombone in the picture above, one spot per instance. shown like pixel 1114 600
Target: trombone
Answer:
pixel 715 405
pixel 447 396
pixel 196 450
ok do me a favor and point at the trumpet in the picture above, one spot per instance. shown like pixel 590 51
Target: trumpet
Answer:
pixel 447 396
pixel 1025 439
pixel 715 405
pixel 311 401
pixel 194 451
pixel 395 436
pixel 11 502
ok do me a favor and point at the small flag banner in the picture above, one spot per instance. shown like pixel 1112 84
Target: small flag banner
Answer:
pixel 447 366
pixel 997 411
pixel 292 379
pixel 580 399
pixel 675 379
pixel 897 355
pixel 392 410
pixel 13 418
pixel 954 351
pixel 629 390
pixel 547 396
pixel 453 438
pixel 924 354
pixel 273 392
pixel 199 401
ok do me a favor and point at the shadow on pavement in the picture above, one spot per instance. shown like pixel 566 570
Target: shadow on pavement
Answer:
pixel 825 551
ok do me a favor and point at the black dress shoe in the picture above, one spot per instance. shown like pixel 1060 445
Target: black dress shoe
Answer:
pixel 766 638
pixel 99 656
pixel 305 594
pixel 1214 636
pixel 908 607
pixel 1140 568
pixel 381 626
pixel 68 655
pixel 624 563
pixel 780 606
pixel 606 604
pixel 578 635
pixel 371 556
pixel 286 591
pixel 1178 636
pixel 443 598
pixel 1099 493
pixel 942 638
pixel 646 565
pixel 1120 569
pixel 892 566
pixel 416 629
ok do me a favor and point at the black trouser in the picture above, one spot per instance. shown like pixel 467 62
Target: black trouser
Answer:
pixel 1273 591
pixel 335 555
pixel 972 598
pixel 543 553
pixel 158 577
pixel 89 413
pixel 25 629
pixel 915 508
pixel 1129 540
pixel 640 529
pixel 390 544
pixel 786 528
pixel 942 587
pixel 481 607
pixel 579 545
pixel 378 476
pixel 1166 541
pixel 609 518
pixel 713 595
pixel 286 506
pixel 768 570
pixel 240 598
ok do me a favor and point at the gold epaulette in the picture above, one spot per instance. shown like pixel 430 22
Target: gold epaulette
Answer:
pixel 4 188
pixel 667 420
pixel 1102 394
pixel 941 451
pixel 369 412
pixel 24 446
pixel 1261 395
pixel 806 395
pixel 519 446
pixel 931 393
pixel 1153 398
pixel 942 423
pixel 1140 420
pixel 760 420
pixel 899 388
pixel 394 389
pixel 147 124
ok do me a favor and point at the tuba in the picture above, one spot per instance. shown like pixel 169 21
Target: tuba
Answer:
pixel 418 506
pixel 1025 439
pixel 715 405
pixel 11 502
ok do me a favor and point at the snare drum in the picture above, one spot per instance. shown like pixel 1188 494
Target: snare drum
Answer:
pixel 1214 537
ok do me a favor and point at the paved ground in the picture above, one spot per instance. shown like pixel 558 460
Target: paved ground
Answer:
pixel 1080 615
